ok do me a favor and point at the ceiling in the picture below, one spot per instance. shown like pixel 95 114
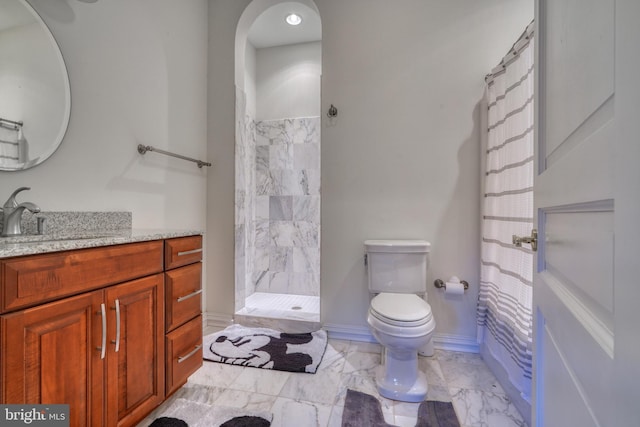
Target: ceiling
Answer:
pixel 270 29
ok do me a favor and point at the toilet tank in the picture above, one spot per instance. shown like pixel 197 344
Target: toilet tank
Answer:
pixel 398 266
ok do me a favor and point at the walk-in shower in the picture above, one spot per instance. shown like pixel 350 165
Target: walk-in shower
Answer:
pixel 277 162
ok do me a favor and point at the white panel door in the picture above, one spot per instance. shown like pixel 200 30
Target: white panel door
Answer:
pixel 586 354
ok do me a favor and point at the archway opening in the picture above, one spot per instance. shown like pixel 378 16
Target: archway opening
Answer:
pixel 277 161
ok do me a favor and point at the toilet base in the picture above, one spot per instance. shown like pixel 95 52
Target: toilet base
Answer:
pixel 417 392
pixel 427 350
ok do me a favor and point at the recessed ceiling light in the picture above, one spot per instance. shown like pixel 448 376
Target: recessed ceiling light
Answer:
pixel 293 19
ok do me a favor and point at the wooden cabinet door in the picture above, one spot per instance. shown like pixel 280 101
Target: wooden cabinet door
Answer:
pixel 52 354
pixel 135 354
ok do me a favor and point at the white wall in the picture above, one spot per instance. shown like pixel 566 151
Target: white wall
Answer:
pixel 288 81
pixel 223 18
pixel 401 160
pixel 138 75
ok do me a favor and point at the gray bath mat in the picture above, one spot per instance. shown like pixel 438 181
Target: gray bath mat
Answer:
pixel 363 410
pixel 266 348
pixel 432 413
pixel 186 413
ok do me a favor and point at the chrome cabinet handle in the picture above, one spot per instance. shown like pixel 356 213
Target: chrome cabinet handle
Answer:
pixel 103 348
pixel 192 294
pixel 193 251
pixel 532 240
pixel 117 340
pixel 191 353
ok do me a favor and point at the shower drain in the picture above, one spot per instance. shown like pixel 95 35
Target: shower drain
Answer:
pixel 296 307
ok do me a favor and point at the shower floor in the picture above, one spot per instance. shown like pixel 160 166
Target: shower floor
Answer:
pixel 299 313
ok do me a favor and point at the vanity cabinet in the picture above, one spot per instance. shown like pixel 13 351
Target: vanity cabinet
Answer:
pixel 183 301
pixel 135 349
pixel 34 279
pixel 88 327
pixel 49 356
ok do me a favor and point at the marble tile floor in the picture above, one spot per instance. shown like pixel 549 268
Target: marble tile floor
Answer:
pixel 307 400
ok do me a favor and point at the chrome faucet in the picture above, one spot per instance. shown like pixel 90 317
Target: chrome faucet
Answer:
pixel 12 219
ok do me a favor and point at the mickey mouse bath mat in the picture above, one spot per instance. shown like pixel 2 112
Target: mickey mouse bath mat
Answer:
pixel 266 348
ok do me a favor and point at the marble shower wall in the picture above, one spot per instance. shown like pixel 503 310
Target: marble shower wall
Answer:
pixel 245 167
pixel 287 206
pixel 277 212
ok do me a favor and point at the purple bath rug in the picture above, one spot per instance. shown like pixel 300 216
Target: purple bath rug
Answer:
pixel 363 410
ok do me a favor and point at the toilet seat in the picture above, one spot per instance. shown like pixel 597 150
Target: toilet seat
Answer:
pixel 405 310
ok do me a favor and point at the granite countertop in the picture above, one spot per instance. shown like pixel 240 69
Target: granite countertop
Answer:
pixel 65 241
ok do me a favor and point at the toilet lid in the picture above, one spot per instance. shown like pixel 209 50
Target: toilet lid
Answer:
pixel 401 307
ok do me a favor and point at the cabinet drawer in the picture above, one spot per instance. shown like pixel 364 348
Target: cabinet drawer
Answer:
pixel 184 353
pixel 183 292
pixel 33 279
pixel 182 251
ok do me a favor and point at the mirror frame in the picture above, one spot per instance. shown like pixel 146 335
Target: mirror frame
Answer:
pixel 62 130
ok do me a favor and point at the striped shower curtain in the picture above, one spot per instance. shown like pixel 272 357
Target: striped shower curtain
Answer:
pixel 505 299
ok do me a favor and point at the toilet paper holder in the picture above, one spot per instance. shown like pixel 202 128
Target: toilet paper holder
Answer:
pixel 439 283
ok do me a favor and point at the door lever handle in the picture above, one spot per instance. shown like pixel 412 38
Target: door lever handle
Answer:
pixel 532 240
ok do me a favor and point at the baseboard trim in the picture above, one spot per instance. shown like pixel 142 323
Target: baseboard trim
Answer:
pixel 216 321
pixel 440 341
pixel 456 343
pixel 348 332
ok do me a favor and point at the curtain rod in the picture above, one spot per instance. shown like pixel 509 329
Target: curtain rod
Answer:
pixel 514 52
pixel 144 148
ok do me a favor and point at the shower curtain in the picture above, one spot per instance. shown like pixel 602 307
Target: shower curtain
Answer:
pixel 505 298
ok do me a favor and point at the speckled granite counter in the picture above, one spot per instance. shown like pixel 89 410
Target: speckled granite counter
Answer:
pixel 56 242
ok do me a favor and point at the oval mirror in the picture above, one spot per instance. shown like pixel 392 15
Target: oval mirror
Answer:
pixel 35 98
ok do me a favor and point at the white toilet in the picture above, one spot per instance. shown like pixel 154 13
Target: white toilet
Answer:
pixel 399 317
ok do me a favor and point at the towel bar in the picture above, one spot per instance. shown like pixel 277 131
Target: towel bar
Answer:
pixel 10 124
pixel 144 148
